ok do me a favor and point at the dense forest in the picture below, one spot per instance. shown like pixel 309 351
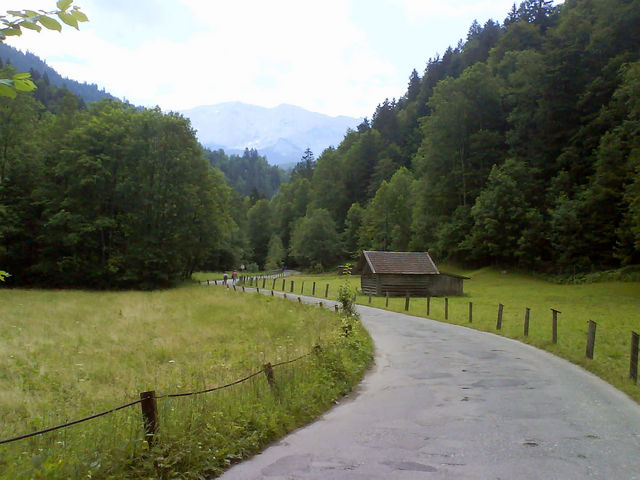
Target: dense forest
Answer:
pixel 519 147
pixel 249 174
pixel 104 196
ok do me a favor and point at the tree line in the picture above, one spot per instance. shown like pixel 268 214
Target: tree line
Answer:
pixel 105 195
pixel 520 146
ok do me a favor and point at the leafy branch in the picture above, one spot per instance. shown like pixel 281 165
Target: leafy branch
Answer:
pixel 15 21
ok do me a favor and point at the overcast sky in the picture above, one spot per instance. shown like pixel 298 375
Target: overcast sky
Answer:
pixel 338 57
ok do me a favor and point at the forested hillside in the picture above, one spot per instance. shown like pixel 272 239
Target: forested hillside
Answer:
pixel 28 62
pixel 249 174
pixel 521 146
pixel 105 196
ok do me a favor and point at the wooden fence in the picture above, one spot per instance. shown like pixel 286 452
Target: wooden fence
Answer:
pixel 591 325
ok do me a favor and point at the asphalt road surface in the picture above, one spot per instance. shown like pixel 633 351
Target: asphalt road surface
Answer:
pixel 447 402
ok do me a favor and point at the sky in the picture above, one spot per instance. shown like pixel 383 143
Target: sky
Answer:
pixel 337 57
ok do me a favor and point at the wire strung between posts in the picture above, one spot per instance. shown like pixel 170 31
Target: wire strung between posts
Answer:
pixel 292 361
pixel 220 387
pixel 135 402
pixel 74 422
pixel 212 389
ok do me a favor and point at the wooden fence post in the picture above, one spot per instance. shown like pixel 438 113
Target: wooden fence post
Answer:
pixel 554 326
pixel 302 289
pixel 369 299
pixel 291 287
pixel 428 306
pixel 299 299
pixel 386 302
pixel 264 281
pixel 591 339
pixel 470 312
pixel 149 406
pixel 320 304
pixel 446 308
pixel 313 290
pixel 326 291
pixel 243 288
pixel 406 303
pixel 272 293
pixel 633 365
pixel 257 290
pixel 527 311
pixel 268 372
pixel 499 322
pixel 336 307
pixel 273 285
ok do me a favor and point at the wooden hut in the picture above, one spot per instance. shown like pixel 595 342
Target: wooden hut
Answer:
pixel 406 273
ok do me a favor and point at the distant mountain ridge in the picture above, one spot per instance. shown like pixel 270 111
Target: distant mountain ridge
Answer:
pixel 281 134
pixel 25 62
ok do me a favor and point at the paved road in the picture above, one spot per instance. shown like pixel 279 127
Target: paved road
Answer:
pixel 447 402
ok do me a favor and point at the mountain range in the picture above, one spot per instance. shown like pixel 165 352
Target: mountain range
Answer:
pixel 281 134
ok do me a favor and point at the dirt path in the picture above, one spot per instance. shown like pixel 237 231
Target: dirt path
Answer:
pixel 447 402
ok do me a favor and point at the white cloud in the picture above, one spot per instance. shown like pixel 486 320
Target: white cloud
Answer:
pixel 266 53
pixel 419 10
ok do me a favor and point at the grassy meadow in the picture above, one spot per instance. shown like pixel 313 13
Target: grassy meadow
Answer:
pixel 613 305
pixel 68 354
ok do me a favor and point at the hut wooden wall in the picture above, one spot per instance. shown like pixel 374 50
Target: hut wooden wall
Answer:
pixel 414 285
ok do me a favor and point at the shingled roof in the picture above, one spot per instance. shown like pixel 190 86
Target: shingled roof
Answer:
pixel 405 263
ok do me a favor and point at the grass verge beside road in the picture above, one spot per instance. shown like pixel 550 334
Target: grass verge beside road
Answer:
pixel 67 354
pixel 614 306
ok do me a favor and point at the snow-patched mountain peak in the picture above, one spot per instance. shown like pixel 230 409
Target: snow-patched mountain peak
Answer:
pixel 280 133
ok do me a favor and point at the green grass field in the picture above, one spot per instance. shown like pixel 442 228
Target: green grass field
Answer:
pixel 614 306
pixel 67 354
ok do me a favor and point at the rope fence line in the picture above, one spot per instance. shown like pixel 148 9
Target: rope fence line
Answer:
pixel 267 370
pixel 68 424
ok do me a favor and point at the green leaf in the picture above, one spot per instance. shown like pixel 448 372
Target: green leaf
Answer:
pixel 68 19
pixel 64 4
pixel 81 17
pixel 31 26
pixel 50 23
pixel 7 91
pixel 22 82
pixel 12 32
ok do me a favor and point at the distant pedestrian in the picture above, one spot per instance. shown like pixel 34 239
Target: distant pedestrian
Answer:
pixel 225 277
pixel 234 277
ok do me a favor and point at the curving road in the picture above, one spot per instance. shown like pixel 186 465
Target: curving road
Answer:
pixel 447 402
